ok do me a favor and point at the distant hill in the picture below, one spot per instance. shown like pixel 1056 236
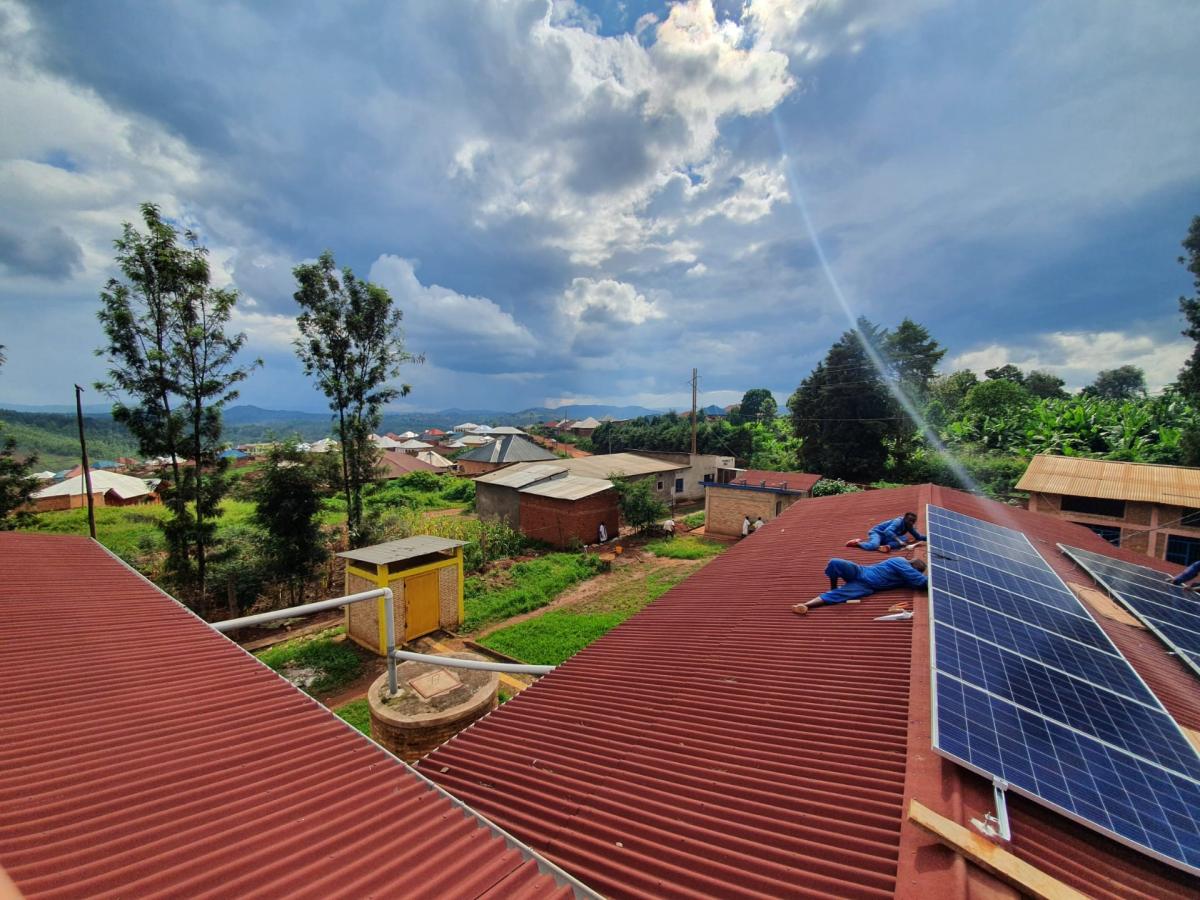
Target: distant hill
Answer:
pixel 51 432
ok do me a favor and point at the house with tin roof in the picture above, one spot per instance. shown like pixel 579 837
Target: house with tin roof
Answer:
pixel 503 451
pixel 753 493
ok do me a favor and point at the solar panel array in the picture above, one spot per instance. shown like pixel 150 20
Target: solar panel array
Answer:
pixel 1170 611
pixel 1029 689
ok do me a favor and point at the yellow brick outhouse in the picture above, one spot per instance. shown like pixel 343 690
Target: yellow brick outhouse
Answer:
pixel 425 574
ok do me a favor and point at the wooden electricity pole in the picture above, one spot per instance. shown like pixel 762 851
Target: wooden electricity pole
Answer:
pixel 693 412
pixel 87 469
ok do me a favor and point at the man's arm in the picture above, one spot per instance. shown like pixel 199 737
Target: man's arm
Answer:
pixel 917 536
pixel 1187 574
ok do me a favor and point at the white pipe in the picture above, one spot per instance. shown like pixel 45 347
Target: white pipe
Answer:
pixel 305 609
pixel 485 664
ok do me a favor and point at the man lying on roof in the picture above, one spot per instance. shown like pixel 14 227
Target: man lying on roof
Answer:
pixel 1187 575
pixel 889 535
pixel 863 581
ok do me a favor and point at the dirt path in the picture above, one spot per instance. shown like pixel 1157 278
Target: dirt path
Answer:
pixel 623 572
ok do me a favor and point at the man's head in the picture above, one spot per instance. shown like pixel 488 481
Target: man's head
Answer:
pixel 919 565
pixel 910 518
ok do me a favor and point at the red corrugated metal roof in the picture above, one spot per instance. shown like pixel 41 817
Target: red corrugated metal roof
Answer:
pixel 717 745
pixel 143 754
pixel 792 481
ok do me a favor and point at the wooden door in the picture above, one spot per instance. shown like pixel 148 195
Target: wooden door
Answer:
pixel 421 602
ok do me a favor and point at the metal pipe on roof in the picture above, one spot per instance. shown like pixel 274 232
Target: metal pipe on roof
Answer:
pixel 304 609
pixel 485 664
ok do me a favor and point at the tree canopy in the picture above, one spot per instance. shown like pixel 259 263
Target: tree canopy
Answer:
pixel 1121 383
pixel 758 405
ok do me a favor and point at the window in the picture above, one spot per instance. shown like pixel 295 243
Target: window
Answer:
pixel 660 484
pixel 1182 550
pixel 778 507
pixel 1191 518
pixel 1093 506
pixel 1110 533
pixel 679 485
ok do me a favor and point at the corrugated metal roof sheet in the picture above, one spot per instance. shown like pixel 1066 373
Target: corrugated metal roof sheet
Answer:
pixel 717 745
pixel 572 487
pixel 395 465
pixel 1111 480
pixel 398 551
pixel 621 464
pixel 124 486
pixel 799 482
pixel 143 755
pixel 522 474
pixel 509 448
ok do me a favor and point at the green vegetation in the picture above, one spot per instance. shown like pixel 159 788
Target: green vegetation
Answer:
pixel 317 663
pixel 685 548
pixel 54 437
pixel 694 520
pixel 524 586
pixel 420 490
pixel 640 506
pixel 827 487
pixel 559 634
pixel 357 713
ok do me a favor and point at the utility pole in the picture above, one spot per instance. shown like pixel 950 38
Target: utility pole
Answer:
pixel 693 412
pixel 87 469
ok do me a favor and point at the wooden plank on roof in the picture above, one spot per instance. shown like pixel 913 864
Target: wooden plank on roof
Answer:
pixel 1002 863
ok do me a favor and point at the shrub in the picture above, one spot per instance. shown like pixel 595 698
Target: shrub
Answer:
pixel 828 487
pixel 533 584
pixel 639 507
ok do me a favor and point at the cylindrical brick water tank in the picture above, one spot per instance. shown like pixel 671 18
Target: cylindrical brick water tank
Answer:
pixel 432 704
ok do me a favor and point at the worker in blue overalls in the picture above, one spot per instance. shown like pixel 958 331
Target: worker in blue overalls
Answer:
pixel 863 581
pixel 1187 575
pixel 889 535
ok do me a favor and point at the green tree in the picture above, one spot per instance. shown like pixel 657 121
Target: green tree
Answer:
pixel 1045 385
pixel 1006 372
pixel 170 356
pixel 640 508
pixel 913 356
pixel 16 483
pixel 947 393
pixel 843 413
pixel 994 398
pixel 758 405
pixel 1121 383
pixel 351 343
pixel 1189 376
pixel 287 502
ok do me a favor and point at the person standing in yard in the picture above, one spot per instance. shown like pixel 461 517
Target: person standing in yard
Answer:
pixel 603 533
pixel 889 535
pixel 758 523
pixel 863 581
pixel 669 527
pixel 745 526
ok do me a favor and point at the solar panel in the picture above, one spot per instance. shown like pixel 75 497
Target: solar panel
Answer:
pixel 1170 611
pixel 1030 692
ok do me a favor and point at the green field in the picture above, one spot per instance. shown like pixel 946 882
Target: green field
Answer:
pixel 557 635
pixel 523 587
pixel 357 713
pixel 685 548
pixel 324 663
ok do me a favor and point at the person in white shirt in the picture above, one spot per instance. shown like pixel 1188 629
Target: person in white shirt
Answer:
pixel 758 523
pixel 603 533
pixel 669 527
pixel 745 525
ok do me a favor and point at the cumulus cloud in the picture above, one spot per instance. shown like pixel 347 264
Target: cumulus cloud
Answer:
pixel 608 302
pixel 50 253
pixel 1076 357
pixel 470 333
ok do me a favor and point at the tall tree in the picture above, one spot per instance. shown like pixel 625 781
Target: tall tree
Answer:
pixel 947 393
pixel 1189 376
pixel 1121 383
pixel 843 412
pixel 1045 385
pixel 351 343
pixel 16 481
pixel 758 405
pixel 912 355
pixel 287 501
pixel 172 368
pixel 1006 372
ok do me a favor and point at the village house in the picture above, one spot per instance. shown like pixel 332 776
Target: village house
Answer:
pixel 700 468
pixel 1149 509
pixel 108 489
pixel 548 503
pixel 752 493
pixel 660 473
pixel 504 451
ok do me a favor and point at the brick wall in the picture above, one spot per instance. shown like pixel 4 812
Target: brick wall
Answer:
pixel 724 507
pixel 561 523
pixel 470 467
pixel 496 502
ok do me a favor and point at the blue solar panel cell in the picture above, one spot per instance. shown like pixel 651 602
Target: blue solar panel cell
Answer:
pixel 1171 612
pixel 1029 689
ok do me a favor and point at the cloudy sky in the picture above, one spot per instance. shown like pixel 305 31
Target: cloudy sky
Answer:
pixel 578 202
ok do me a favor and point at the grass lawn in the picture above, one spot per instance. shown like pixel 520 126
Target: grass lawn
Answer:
pixel 523 587
pixel 357 713
pixel 559 634
pixel 685 548
pixel 316 663
pixel 693 520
